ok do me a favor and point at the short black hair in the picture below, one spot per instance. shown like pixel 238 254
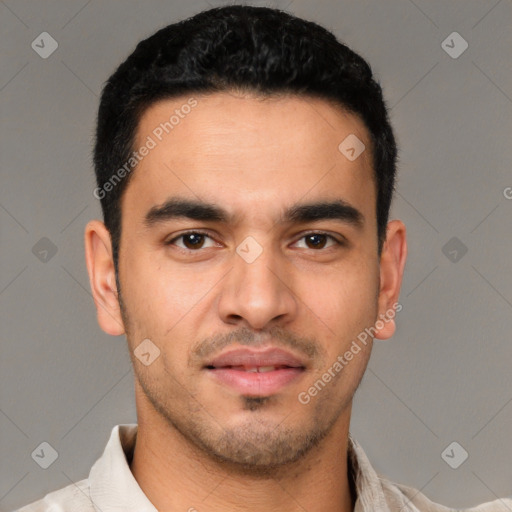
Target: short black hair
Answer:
pixel 236 48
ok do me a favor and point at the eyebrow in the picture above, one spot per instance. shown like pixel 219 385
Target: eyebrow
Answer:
pixel 177 207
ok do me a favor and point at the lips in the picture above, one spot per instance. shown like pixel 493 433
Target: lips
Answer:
pixel 256 373
pixel 246 359
pixel 256 369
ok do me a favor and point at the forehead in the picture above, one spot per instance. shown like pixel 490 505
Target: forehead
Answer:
pixel 248 150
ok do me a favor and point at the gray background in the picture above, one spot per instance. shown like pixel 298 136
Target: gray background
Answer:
pixel 446 374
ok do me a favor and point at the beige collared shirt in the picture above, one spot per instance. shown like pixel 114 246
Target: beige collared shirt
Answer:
pixel 112 487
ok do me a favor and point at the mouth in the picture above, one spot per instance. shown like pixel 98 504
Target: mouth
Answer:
pixel 252 369
pixel 256 373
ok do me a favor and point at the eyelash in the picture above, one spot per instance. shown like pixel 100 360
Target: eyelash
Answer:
pixel 334 239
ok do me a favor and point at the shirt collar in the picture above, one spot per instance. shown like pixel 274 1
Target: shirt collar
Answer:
pixel 369 492
pixel 112 484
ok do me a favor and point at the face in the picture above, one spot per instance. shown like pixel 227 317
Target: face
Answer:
pixel 248 258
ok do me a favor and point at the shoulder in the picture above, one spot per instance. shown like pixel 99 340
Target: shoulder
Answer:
pixel 422 503
pixel 73 498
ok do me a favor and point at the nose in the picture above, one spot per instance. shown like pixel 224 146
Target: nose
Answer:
pixel 258 293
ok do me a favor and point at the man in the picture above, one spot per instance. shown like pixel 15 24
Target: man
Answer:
pixel 245 165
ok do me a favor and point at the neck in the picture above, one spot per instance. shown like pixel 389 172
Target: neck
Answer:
pixel 176 475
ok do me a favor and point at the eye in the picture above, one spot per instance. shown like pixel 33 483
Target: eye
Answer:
pixel 318 240
pixel 192 240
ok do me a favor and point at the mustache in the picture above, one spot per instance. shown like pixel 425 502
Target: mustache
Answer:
pixel 276 337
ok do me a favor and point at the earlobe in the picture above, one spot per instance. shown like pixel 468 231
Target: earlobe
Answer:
pixel 388 329
pixel 392 264
pixel 100 267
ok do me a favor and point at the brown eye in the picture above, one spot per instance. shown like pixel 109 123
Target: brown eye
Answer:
pixel 191 241
pixel 319 240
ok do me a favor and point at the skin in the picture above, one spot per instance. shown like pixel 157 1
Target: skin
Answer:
pixel 200 444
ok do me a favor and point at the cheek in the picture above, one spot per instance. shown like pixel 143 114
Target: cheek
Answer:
pixel 182 297
pixel 163 302
pixel 345 299
pixel 155 289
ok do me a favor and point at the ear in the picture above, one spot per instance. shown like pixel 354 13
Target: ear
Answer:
pixel 100 266
pixel 392 263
